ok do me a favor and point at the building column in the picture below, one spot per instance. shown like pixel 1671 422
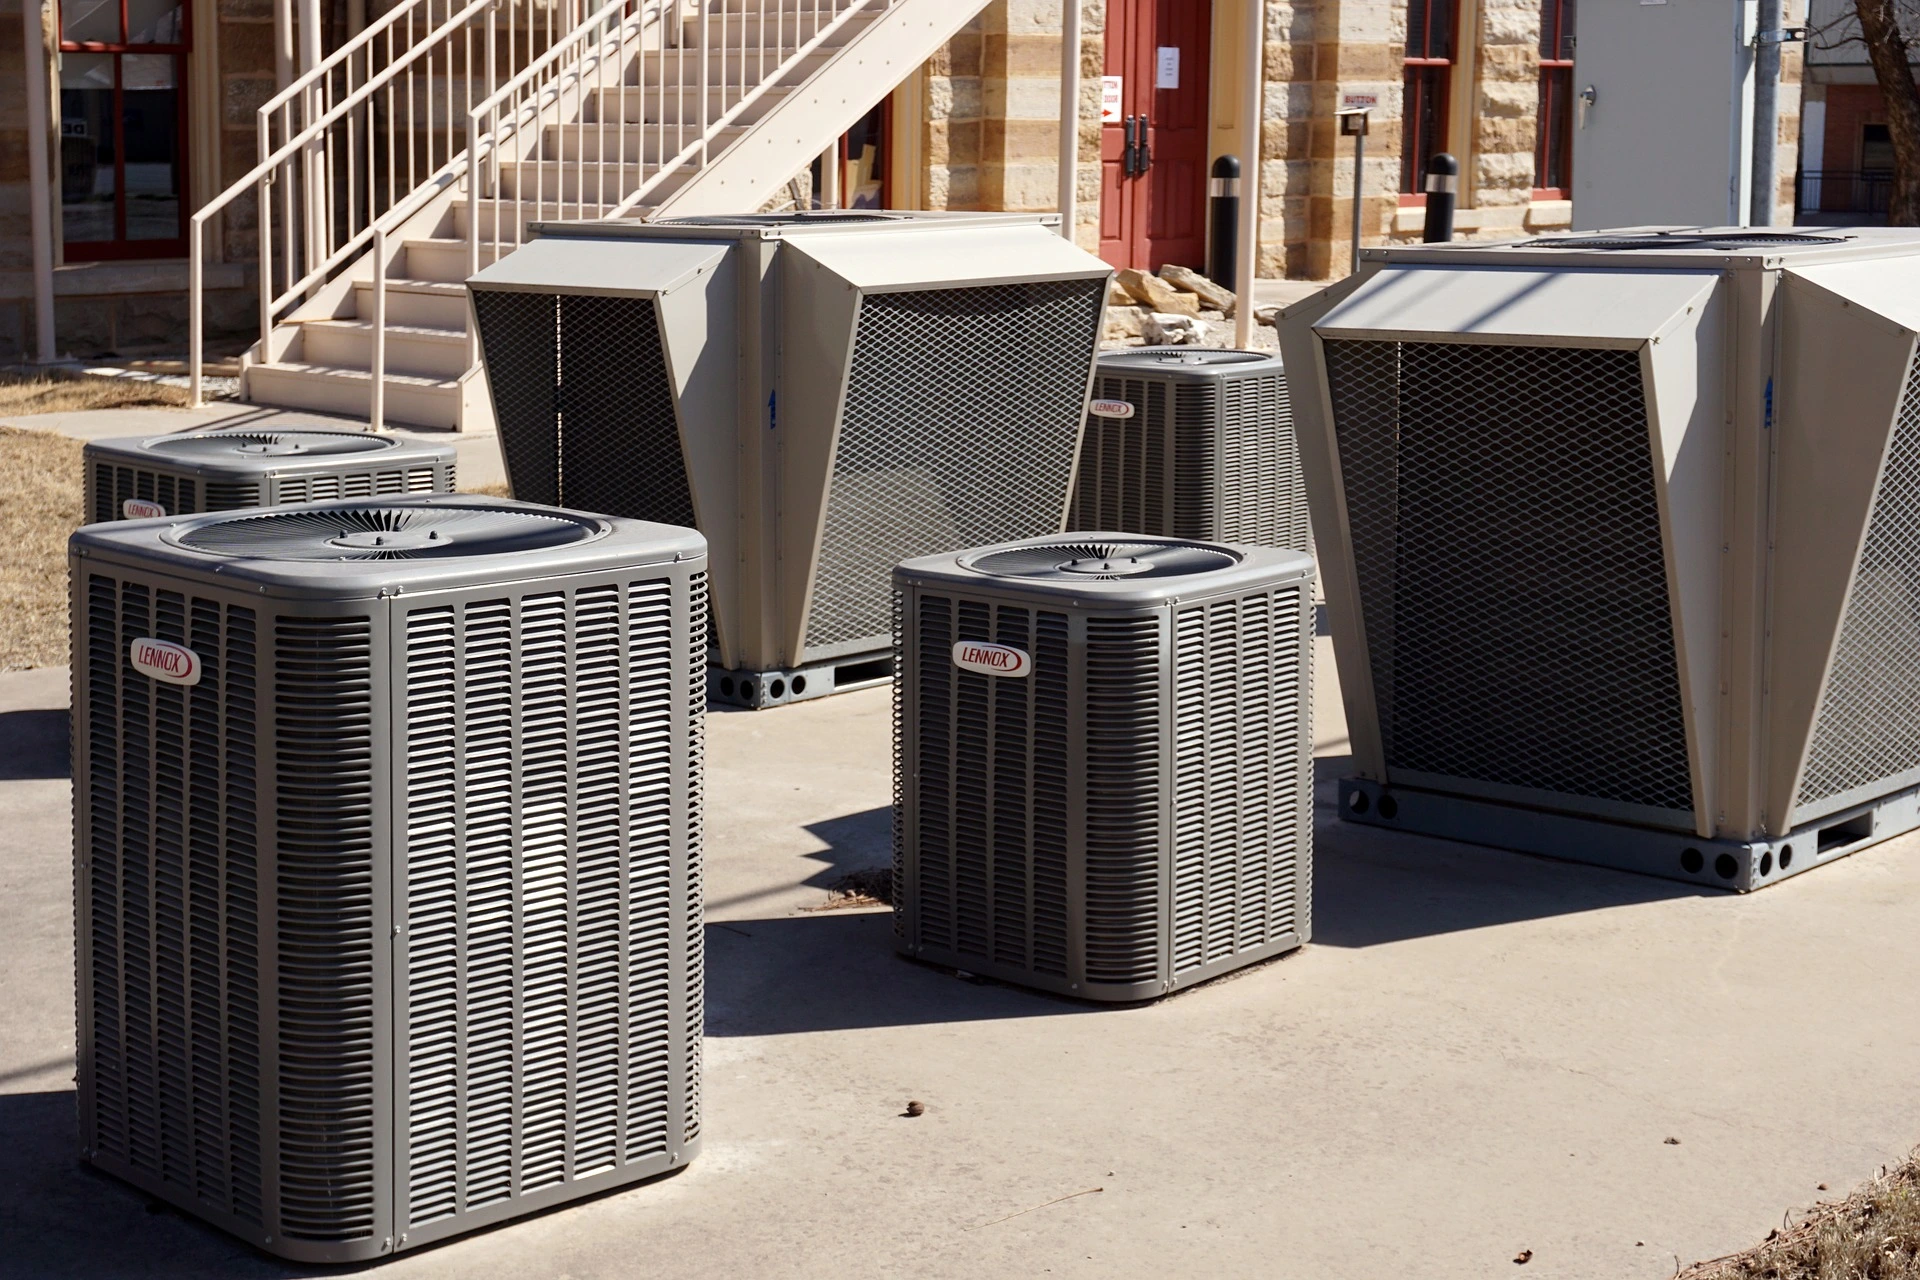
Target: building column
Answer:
pixel 39 186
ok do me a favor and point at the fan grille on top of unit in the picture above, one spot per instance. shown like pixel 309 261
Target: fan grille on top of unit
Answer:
pixel 1104 561
pixel 1730 240
pixel 775 219
pixel 1200 356
pixel 214 446
pixel 386 533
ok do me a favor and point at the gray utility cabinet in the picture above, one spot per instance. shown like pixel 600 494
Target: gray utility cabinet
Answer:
pixel 1192 442
pixel 1103 761
pixel 822 395
pixel 387 863
pixel 1621 539
pixel 142 477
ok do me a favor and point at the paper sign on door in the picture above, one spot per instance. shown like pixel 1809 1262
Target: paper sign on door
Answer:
pixel 1166 74
pixel 1110 99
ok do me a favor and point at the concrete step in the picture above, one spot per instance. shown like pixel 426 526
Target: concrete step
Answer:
pixel 655 103
pixel 412 350
pixel 495 216
pixel 426 304
pixel 789 26
pixel 562 187
pixel 731 67
pixel 446 259
pixel 626 147
pixel 298 384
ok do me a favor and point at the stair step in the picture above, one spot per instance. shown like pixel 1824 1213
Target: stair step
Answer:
pixel 666 104
pixel 563 187
pixel 411 349
pixel 782 26
pixel 738 68
pixel 495 216
pixel 434 258
pixel 427 304
pixel 297 384
pixel 626 147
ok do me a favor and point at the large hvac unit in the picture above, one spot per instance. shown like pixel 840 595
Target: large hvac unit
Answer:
pixel 1621 538
pixel 822 395
pixel 141 477
pixel 1189 442
pixel 1103 761
pixel 388 863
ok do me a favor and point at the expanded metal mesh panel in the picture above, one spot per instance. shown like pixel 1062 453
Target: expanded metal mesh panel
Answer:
pixel 992 791
pixel 962 418
pixel 1868 728
pixel 540 740
pixel 1124 793
pixel 325 975
pixel 1122 481
pixel 1201 457
pixel 110 486
pixel 169 894
pixel 1240 685
pixel 1512 585
pixel 584 403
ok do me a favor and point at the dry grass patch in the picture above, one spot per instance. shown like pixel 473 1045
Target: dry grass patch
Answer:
pixel 22 394
pixel 1874 1234
pixel 40 504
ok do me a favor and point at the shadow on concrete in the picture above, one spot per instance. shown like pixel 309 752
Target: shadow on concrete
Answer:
pixel 33 744
pixel 1372 886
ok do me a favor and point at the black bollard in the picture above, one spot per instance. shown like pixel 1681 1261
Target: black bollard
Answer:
pixel 1443 188
pixel 1223 211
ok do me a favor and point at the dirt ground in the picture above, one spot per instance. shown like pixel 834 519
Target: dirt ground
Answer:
pixel 40 504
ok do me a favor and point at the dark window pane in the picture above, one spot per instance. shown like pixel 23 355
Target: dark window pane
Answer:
pixel 1423 122
pixel 90 21
pixel 86 147
pixel 1553 151
pixel 149 86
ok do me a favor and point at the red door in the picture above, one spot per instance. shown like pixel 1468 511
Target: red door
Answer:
pixel 1153 148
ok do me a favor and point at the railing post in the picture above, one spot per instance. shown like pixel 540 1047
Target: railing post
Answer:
pixel 377 411
pixel 194 323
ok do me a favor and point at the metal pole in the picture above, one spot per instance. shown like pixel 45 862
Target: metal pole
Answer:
pixel 40 189
pixel 1443 188
pixel 1765 178
pixel 1359 189
pixel 1069 114
pixel 1251 93
pixel 1223 217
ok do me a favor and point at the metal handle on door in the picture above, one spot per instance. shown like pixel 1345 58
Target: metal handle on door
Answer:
pixel 1146 145
pixel 1126 149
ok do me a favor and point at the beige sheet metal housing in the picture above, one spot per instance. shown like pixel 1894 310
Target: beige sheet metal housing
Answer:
pixel 1626 527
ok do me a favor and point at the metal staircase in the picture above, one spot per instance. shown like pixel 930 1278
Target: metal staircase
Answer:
pixel 402 164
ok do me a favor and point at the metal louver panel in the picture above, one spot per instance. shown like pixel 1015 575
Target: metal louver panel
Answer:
pixel 1262 492
pixel 1476 477
pixel 225 495
pixel 1866 738
pixel 541 735
pixel 1123 799
pixel 326 973
pixel 169 900
pixel 693 991
pixel 110 486
pixel 1240 678
pixel 578 428
pixel 1197 440
pixel 899 489
pixel 1122 484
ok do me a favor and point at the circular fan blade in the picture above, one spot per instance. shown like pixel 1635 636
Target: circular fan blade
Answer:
pixel 1083 561
pixel 225 446
pixel 385 533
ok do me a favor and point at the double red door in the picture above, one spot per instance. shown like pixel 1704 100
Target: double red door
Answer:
pixel 1153 134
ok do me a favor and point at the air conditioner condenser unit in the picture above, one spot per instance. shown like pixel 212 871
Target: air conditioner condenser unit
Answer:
pixel 1192 442
pixel 1103 761
pixel 822 395
pixel 142 477
pixel 1621 536
pixel 387 844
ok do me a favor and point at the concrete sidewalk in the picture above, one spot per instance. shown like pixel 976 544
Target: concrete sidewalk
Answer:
pixel 1479 1053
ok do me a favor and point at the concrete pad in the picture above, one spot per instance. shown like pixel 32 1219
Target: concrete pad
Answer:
pixel 479 460
pixel 1479 1053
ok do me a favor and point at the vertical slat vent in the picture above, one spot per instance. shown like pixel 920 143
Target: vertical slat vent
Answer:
pixel 541 841
pixel 1122 481
pixel 1197 498
pixel 1124 787
pixel 926 460
pixel 933 751
pixel 1512 581
pixel 1262 493
pixel 109 486
pixel 578 429
pixel 1868 728
pixel 696 922
pixel 1239 683
pixel 324 833
pixel 169 942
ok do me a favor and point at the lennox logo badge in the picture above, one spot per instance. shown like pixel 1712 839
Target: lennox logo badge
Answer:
pixel 1110 409
pixel 164 660
pixel 990 659
pixel 141 509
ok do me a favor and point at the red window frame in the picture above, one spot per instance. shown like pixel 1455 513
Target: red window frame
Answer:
pixel 120 247
pixel 1553 145
pixel 1426 91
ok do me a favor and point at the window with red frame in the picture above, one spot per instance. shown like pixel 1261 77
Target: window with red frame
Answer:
pixel 1553 149
pixel 1426 88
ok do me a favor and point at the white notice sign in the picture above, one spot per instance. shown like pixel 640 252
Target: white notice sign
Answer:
pixel 1166 67
pixel 1110 99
